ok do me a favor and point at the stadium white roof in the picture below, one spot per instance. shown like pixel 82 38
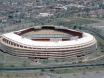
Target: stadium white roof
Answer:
pixel 27 42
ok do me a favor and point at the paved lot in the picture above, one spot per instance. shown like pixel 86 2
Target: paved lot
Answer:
pixel 93 74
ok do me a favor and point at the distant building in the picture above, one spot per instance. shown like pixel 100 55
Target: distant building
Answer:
pixel 44 14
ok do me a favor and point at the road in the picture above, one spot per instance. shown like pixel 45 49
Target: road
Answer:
pixel 99 35
pixel 52 67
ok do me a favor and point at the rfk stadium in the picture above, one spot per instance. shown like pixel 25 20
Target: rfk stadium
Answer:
pixel 47 41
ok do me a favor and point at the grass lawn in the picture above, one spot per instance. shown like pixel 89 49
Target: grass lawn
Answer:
pixel 1 57
pixel 99 39
pixel 100 43
pixel 17 59
pixel 77 20
pixel 75 70
pixel 100 18
pixel 19 74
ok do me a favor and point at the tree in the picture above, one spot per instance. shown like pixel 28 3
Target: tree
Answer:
pixel 80 28
pixel 42 70
pixel 51 69
pixel 10 16
pixel 12 65
pixel 74 27
pixel 101 6
pixel 86 9
pixel 7 75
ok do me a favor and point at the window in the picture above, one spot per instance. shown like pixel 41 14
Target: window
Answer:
pixel 7 41
pixel 25 47
pixel 11 43
pixel 21 46
pixel 17 45
pixel 4 39
pixel 14 44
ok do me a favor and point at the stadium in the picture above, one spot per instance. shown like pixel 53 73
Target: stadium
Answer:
pixel 47 41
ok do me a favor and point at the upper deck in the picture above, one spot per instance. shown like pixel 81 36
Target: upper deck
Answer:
pixel 49 33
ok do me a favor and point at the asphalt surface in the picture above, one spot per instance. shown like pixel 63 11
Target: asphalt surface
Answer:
pixel 51 76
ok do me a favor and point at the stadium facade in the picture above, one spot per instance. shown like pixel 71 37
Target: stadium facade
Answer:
pixel 44 42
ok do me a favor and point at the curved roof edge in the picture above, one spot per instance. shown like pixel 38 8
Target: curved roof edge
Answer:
pixel 27 42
